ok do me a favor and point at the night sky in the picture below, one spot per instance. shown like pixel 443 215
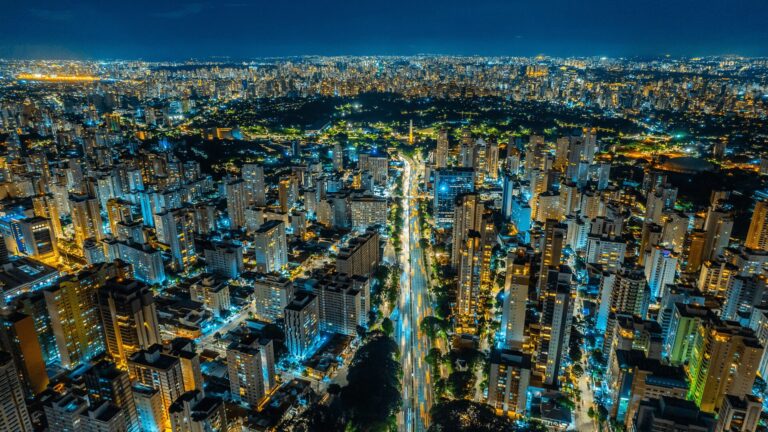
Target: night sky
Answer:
pixel 159 30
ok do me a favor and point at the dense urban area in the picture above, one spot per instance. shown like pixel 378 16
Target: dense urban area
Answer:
pixel 425 243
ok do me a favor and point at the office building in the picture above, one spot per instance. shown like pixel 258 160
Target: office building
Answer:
pixel 450 183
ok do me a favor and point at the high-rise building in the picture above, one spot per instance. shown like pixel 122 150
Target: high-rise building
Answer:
pixel 149 406
pixel 468 216
pixel 361 256
pixel 742 295
pixel 185 350
pixel 146 261
pixel 34 237
pixel 607 251
pixel 475 280
pixel 558 299
pixel 302 323
pixel 377 164
pixel 73 308
pixel 441 151
pixel 757 237
pixel 366 211
pixel 338 158
pixel 176 228
pixel 19 338
pixel 343 302
pixel 128 317
pixel 13 415
pixel 103 416
pixel 251 365
pixel 739 414
pixel 270 247
pixel 224 259
pixel 492 160
pixel 623 291
pixel 237 201
pixel 271 294
pixel 683 328
pixel 106 383
pixel 758 322
pixel 160 371
pixel 638 378
pixel 253 175
pixel 195 412
pixel 450 183
pixel 660 200
pixel 287 193
pixel 716 277
pixel 660 270
pixel 669 413
pixel 718 226
pixel 724 361
pixel 508 382
pixel 86 218
pixel 212 292
pixel 64 412
pixel 516 286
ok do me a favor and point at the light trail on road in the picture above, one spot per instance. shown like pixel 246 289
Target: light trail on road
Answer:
pixel 414 305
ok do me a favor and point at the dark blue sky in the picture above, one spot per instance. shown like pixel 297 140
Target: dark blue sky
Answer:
pixel 245 29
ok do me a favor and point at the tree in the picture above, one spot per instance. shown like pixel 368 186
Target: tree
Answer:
pixel 467 416
pixel 387 326
pixel 372 396
pixel 430 325
pixel 461 384
pixel 591 412
pixel 578 371
pixel 433 358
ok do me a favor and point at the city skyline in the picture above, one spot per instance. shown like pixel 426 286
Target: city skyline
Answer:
pixel 561 226
pixel 174 30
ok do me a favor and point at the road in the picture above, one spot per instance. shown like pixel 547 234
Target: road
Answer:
pixel 581 419
pixel 414 304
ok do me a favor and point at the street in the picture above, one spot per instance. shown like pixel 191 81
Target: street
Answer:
pixel 414 304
